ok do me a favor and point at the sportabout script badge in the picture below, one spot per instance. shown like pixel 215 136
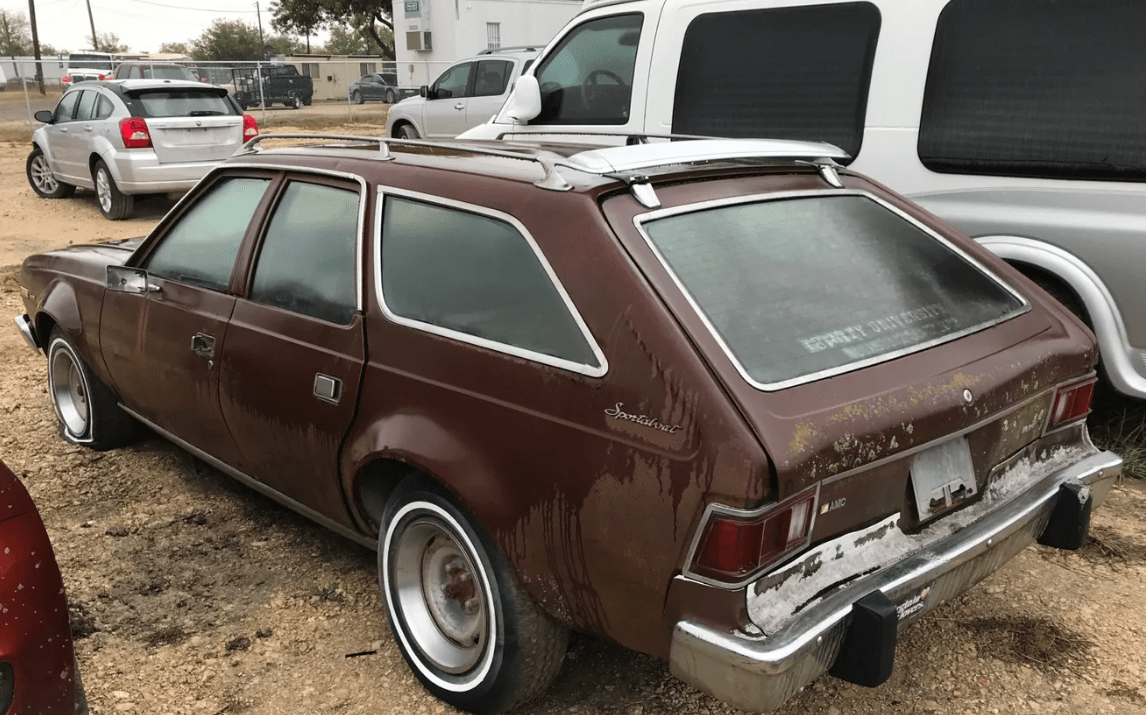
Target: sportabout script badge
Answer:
pixel 644 420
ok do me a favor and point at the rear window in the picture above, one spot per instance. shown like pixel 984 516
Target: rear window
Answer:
pixel 205 102
pixel 802 288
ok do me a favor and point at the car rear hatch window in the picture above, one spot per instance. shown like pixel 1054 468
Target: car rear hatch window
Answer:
pixel 189 124
pixel 804 287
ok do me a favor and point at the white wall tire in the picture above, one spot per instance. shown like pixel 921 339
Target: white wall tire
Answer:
pixel 459 615
pixel 86 410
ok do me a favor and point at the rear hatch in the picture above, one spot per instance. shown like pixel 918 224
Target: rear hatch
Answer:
pixel 189 123
pixel 854 332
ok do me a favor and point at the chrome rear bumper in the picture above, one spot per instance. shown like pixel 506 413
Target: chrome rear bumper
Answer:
pixel 27 331
pixel 761 672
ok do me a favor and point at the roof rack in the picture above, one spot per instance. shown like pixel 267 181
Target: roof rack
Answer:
pixel 514 48
pixel 620 162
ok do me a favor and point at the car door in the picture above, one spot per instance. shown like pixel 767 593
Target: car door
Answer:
pixel 372 86
pixel 163 348
pixel 444 115
pixel 295 348
pixel 491 84
pixel 62 140
pixel 83 130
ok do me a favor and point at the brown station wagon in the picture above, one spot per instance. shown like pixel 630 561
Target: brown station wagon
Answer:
pixel 719 401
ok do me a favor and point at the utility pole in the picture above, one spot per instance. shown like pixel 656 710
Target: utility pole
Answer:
pixel 36 46
pixel 259 14
pixel 95 38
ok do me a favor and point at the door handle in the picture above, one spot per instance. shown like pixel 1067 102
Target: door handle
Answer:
pixel 327 388
pixel 203 345
pixel 63 130
pixel 459 106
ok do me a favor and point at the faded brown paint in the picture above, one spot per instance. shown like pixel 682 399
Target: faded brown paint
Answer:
pixel 596 514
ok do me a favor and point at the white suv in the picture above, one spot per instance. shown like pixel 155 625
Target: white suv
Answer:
pixel 468 93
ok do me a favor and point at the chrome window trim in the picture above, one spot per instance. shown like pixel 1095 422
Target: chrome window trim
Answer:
pixel 640 220
pixel 599 370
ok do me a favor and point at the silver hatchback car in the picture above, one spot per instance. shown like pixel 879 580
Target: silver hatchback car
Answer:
pixel 128 137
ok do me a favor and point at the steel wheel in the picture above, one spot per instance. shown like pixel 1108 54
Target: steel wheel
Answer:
pixel 442 595
pixel 68 387
pixel 103 190
pixel 41 175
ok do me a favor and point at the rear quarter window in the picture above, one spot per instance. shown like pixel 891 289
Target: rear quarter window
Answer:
pixel 799 288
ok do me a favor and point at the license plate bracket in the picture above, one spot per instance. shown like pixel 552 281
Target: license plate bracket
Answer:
pixel 943 477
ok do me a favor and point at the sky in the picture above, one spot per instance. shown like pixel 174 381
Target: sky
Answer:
pixel 140 24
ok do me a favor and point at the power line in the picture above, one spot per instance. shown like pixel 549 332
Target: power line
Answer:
pixel 183 7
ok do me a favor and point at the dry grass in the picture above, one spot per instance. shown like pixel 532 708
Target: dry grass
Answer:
pixel 1118 423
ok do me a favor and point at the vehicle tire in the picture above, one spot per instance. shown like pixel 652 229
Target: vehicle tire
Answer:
pixel 294 102
pixel 43 181
pixel 356 97
pixel 391 98
pixel 407 131
pixel 87 411
pixel 113 204
pixel 308 100
pixel 459 614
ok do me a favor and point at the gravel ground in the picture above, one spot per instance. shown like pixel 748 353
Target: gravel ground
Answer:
pixel 192 594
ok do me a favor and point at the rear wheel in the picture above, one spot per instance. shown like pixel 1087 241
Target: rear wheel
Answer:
pixel 459 614
pixel 391 98
pixel 356 97
pixel 294 102
pixel 87 411
pixel 43 181
pixel 113 203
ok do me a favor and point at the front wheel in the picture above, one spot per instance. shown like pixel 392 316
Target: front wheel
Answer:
pixel 391 98
pixel 43 181
pixel 407 131
pixel 459 614
pixel 86 409
pixel 356 97
pixel 113 203
pixel 294 102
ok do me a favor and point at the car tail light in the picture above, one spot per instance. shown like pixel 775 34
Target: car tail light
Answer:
pixel 66 79
pixel 250 127
pixel 1071 403
pixel 135 133
pixel 103 77
pixel 733 546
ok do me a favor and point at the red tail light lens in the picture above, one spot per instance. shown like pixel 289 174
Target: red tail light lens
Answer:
pixel 1071 403
pixel 732 547
pixel 104 77
pixel 135 133
pixel 250 127
pixel 66 79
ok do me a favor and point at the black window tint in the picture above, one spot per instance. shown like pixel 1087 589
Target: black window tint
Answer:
pixel 204 102
pixel 201 247
pixel 453 82
pixel 784 73
pixel 104 109
pixel 306 264
pixel 86 105
pixel 475 275
pixel 1037 88
pixel 67 107
pixel 492 77
pixel 588 79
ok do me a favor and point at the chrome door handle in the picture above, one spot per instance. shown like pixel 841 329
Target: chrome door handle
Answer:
pixel 203 345
pixel 327 388
pixel 459 106
pixel 63 130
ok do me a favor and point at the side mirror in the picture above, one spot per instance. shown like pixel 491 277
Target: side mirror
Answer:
pixel 129 280
pixel 45 116
pixel 423 91
pixel 524 102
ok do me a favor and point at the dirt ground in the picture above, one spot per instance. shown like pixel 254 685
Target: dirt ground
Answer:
pixel 192 594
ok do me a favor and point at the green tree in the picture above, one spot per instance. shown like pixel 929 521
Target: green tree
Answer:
pixel 370 17
pixel 15 35
pixel 228 40
pixel 107 42
pixel 284 45
pixel 176 48
pixel 349 41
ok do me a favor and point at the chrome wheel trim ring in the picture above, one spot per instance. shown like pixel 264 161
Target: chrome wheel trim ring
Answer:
pixel 451 648
pixel 69 390
pixel 103 189
pixel 42 175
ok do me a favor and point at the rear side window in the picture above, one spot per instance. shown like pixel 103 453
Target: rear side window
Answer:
pixel 180 103
pixel 588 79
pixel 492 77
pixel 805 287
pixel 470 276
pixel 784 73
pixel 306 264
pixel 200 249
pixel 86 107
pixel 105 108
pixel 1036 88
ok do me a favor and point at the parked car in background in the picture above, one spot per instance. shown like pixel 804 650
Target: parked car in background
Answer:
pixel 272 84
pixel 217 75
pixel 722 402
pixel 1051 176
pixel 374 87
pixel 468 93
pixel 155 70
pixel 128 137
pixel 87 66
pixel 38 669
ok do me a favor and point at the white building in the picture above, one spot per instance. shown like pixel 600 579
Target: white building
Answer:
pixel 429 35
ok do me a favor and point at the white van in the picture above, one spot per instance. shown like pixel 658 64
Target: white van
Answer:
pixel 1020 121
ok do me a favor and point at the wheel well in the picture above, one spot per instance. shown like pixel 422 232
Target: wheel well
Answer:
pixel 1059 289
pixel 397 127
pixel 44 325
pixel 375 482
pixel 92 162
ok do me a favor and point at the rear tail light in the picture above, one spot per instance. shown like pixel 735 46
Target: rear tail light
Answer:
pixel 1071 403
pixel 103 76
pixel 250 127
pixel 135 133
pixel 66 79
pixel 733 546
